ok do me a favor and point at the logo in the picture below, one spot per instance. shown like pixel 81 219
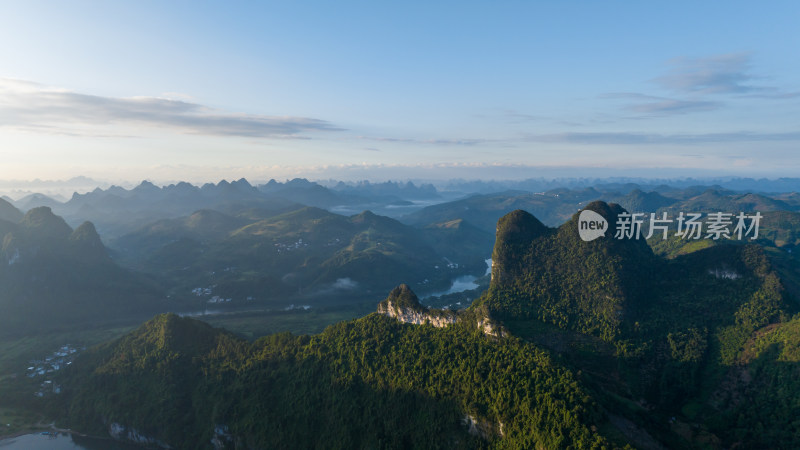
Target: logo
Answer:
pixel 591 225
pixel 686 226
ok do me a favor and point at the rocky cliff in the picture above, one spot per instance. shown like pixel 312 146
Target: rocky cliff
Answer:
pixel 403 305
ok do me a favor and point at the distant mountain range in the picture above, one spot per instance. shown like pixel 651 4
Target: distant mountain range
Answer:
pixel 556 206
pixel 625 184
pixel 116 210
pixel 263 246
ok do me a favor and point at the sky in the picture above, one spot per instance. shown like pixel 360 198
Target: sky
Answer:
pixel 202 90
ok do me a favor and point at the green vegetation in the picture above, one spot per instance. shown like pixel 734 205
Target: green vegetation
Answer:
pixel 372 382
pixel 16 352
pixel 758 404
pixel 597 344
pixel 52 277
pixel 14 421
pixel 305 254
pixel 255 324
pixel 669 332
pixel 553 276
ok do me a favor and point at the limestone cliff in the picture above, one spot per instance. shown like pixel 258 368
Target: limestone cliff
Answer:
pixel 403 305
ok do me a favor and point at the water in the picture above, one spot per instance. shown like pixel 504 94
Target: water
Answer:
pixel 463 283
pixel 62 441
pixel 393 211
pixel 37 442
pixel 460 284
pixel 205 312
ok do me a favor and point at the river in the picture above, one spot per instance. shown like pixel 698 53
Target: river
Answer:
pixel 62 441
pixel 463 283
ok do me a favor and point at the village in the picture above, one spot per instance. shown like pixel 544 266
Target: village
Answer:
pixel 289 247
pixel 44 368
pixel 206 291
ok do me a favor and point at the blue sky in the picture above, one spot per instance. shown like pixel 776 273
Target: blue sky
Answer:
pixel 208 90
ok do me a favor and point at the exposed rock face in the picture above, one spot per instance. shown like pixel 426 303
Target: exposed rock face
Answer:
pixel 491 328
pixel 481 427
pixel 407 315
pixel 724 273
pixel 222 437
pixel 403 305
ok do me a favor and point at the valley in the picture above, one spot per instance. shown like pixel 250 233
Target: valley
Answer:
pixel 651 344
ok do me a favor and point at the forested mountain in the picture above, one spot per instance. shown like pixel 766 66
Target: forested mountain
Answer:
pixel 665 334
pixel 670 343
pixel 576 344
pixel 368 383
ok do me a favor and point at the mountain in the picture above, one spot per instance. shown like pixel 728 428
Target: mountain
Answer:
pixel 667 334
pixel 307 253
pixel 85 241
pixel 52 276
pixel 202 225
pixel 638 201
pixel 9 213
pixel 713 200
pixel 483 211
pixel 576 344
pixel 387 191
pixel 300 190
pixel 368 383
pixel 459 240
pixel 556 277
pixel 35 200
pixel 117 211
pixel 40 223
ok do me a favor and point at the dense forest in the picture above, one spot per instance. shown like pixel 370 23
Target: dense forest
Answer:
pixel 369 383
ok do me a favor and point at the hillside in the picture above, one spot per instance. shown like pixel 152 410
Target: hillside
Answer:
pixel 9 213
pixel 52 276
pixel 306 253
pixel 483 211
pixel 663 333
pixel 575 344
pixel 117 211
pixel 552 275
pixel 372 382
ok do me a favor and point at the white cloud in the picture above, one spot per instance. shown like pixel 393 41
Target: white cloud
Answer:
pixel 33 107
pixel 654 105
pixel 621 138
pixel 720 74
